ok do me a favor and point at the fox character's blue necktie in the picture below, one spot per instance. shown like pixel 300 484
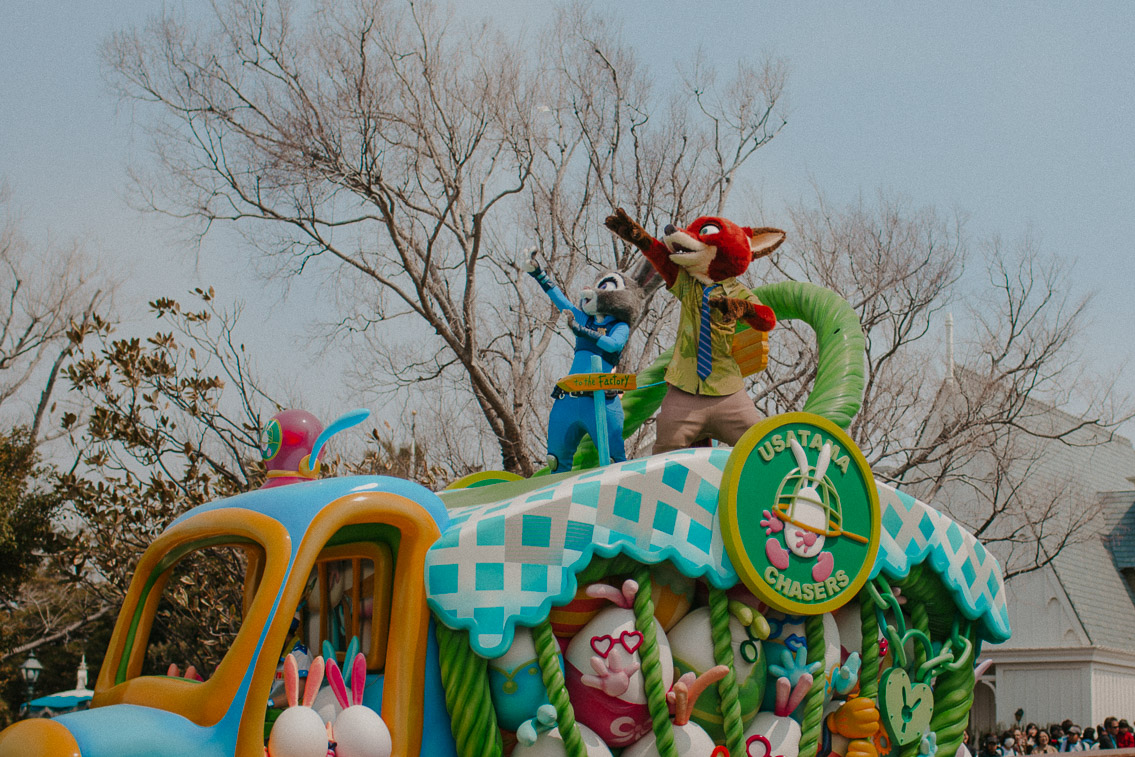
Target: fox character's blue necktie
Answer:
pixel 705 345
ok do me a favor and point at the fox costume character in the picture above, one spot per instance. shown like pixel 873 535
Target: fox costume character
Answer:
pixel 601 324
pixel 700 265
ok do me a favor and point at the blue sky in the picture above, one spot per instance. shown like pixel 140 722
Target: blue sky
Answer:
pixel 1021 115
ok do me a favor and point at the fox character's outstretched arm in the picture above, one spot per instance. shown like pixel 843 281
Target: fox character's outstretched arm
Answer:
pixel 626 229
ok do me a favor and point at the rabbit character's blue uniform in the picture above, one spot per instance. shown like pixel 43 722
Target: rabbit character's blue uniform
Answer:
pixel 603 334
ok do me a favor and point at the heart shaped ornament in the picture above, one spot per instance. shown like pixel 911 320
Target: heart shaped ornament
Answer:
pixel 631 640
pixel 601 645
pixel 906 708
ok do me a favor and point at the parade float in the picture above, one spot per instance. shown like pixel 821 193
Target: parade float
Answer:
pixel 765 599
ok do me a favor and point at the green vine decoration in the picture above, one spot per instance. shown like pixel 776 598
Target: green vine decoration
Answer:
pixel 920 620
pixel 465 678
pixel 604 568
pixel 953 698
pixel 723 655
pixel 812 724
pixel 548 654
pixel 652 667
pixel 869 670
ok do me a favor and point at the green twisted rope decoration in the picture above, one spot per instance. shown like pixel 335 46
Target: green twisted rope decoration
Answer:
pixel 869 670
pixel 465 678
pixel 812 724
pixel 920 620
pixel 548 654
pixel 924 584
pixel 598 569
pixel 953 698
pixel 727 687
pixel 652 667
pixel 837 392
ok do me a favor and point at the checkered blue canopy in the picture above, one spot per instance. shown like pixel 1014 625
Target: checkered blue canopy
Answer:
pixel 508 562
pixel 914 532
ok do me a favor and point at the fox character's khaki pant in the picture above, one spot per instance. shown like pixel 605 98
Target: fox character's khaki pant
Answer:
pixel 688 418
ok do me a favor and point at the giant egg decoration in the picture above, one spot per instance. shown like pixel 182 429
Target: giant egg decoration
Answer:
pixel 551 744
pixel 615 707
pixel 515 682
pixel 691 642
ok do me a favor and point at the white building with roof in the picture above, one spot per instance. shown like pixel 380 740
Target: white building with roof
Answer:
pixel 1072 652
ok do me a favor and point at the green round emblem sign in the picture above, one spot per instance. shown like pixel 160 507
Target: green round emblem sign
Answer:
pixel 800 514
pixel 270 439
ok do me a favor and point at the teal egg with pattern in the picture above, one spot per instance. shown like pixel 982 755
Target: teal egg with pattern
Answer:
pixel 515 683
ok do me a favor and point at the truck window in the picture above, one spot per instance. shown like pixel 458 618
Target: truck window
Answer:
pixel 348 596
pixel 195 609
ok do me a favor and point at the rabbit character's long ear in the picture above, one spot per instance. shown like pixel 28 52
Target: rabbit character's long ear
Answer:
pixel 314 679
pixel 335 681
pixel 292 680
pixel 645 276
pixel 823 460
pixel 358 678
pixel 801 458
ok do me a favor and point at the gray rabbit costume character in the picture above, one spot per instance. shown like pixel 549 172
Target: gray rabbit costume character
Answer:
pixel 601 324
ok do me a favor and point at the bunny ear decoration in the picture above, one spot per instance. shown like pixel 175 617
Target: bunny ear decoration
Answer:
pixel 823 460
pixel 783 692
pixel 314 679
pixel 358 678
pixel 623 599
pixel 801 458
pixel 799 691
pixel 292 680
pixel 335 681
pixel 328 650
pixel 352 650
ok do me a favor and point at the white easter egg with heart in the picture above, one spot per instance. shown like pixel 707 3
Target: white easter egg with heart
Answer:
pixel 782 735
pixel 688 739
pixel 551 744
pixel 613 631
pixel 298 732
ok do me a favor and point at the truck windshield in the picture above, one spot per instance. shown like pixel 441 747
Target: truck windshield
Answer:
pixel 347 597
pixel 203 599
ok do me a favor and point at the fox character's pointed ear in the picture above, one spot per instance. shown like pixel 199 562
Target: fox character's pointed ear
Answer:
pixel 764 240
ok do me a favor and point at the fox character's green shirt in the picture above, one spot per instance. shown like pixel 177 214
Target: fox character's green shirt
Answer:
pixel 725 376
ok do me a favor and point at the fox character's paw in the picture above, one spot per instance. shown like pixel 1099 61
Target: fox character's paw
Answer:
pixel 626 229
pixel 731 308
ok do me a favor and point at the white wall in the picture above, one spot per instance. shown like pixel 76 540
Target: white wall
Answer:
pixel 1047 692
pixel 1113 692
pixel 1040 615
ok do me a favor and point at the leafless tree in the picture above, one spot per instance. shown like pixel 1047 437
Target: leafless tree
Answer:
pixel 978 439
pixel 419 153
pixel 43 293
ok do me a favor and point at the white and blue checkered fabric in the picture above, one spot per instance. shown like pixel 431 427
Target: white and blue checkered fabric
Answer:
pixel 509 562
pixel 914 532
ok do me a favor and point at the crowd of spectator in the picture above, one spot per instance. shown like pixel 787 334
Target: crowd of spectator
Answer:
pixel 1062 737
